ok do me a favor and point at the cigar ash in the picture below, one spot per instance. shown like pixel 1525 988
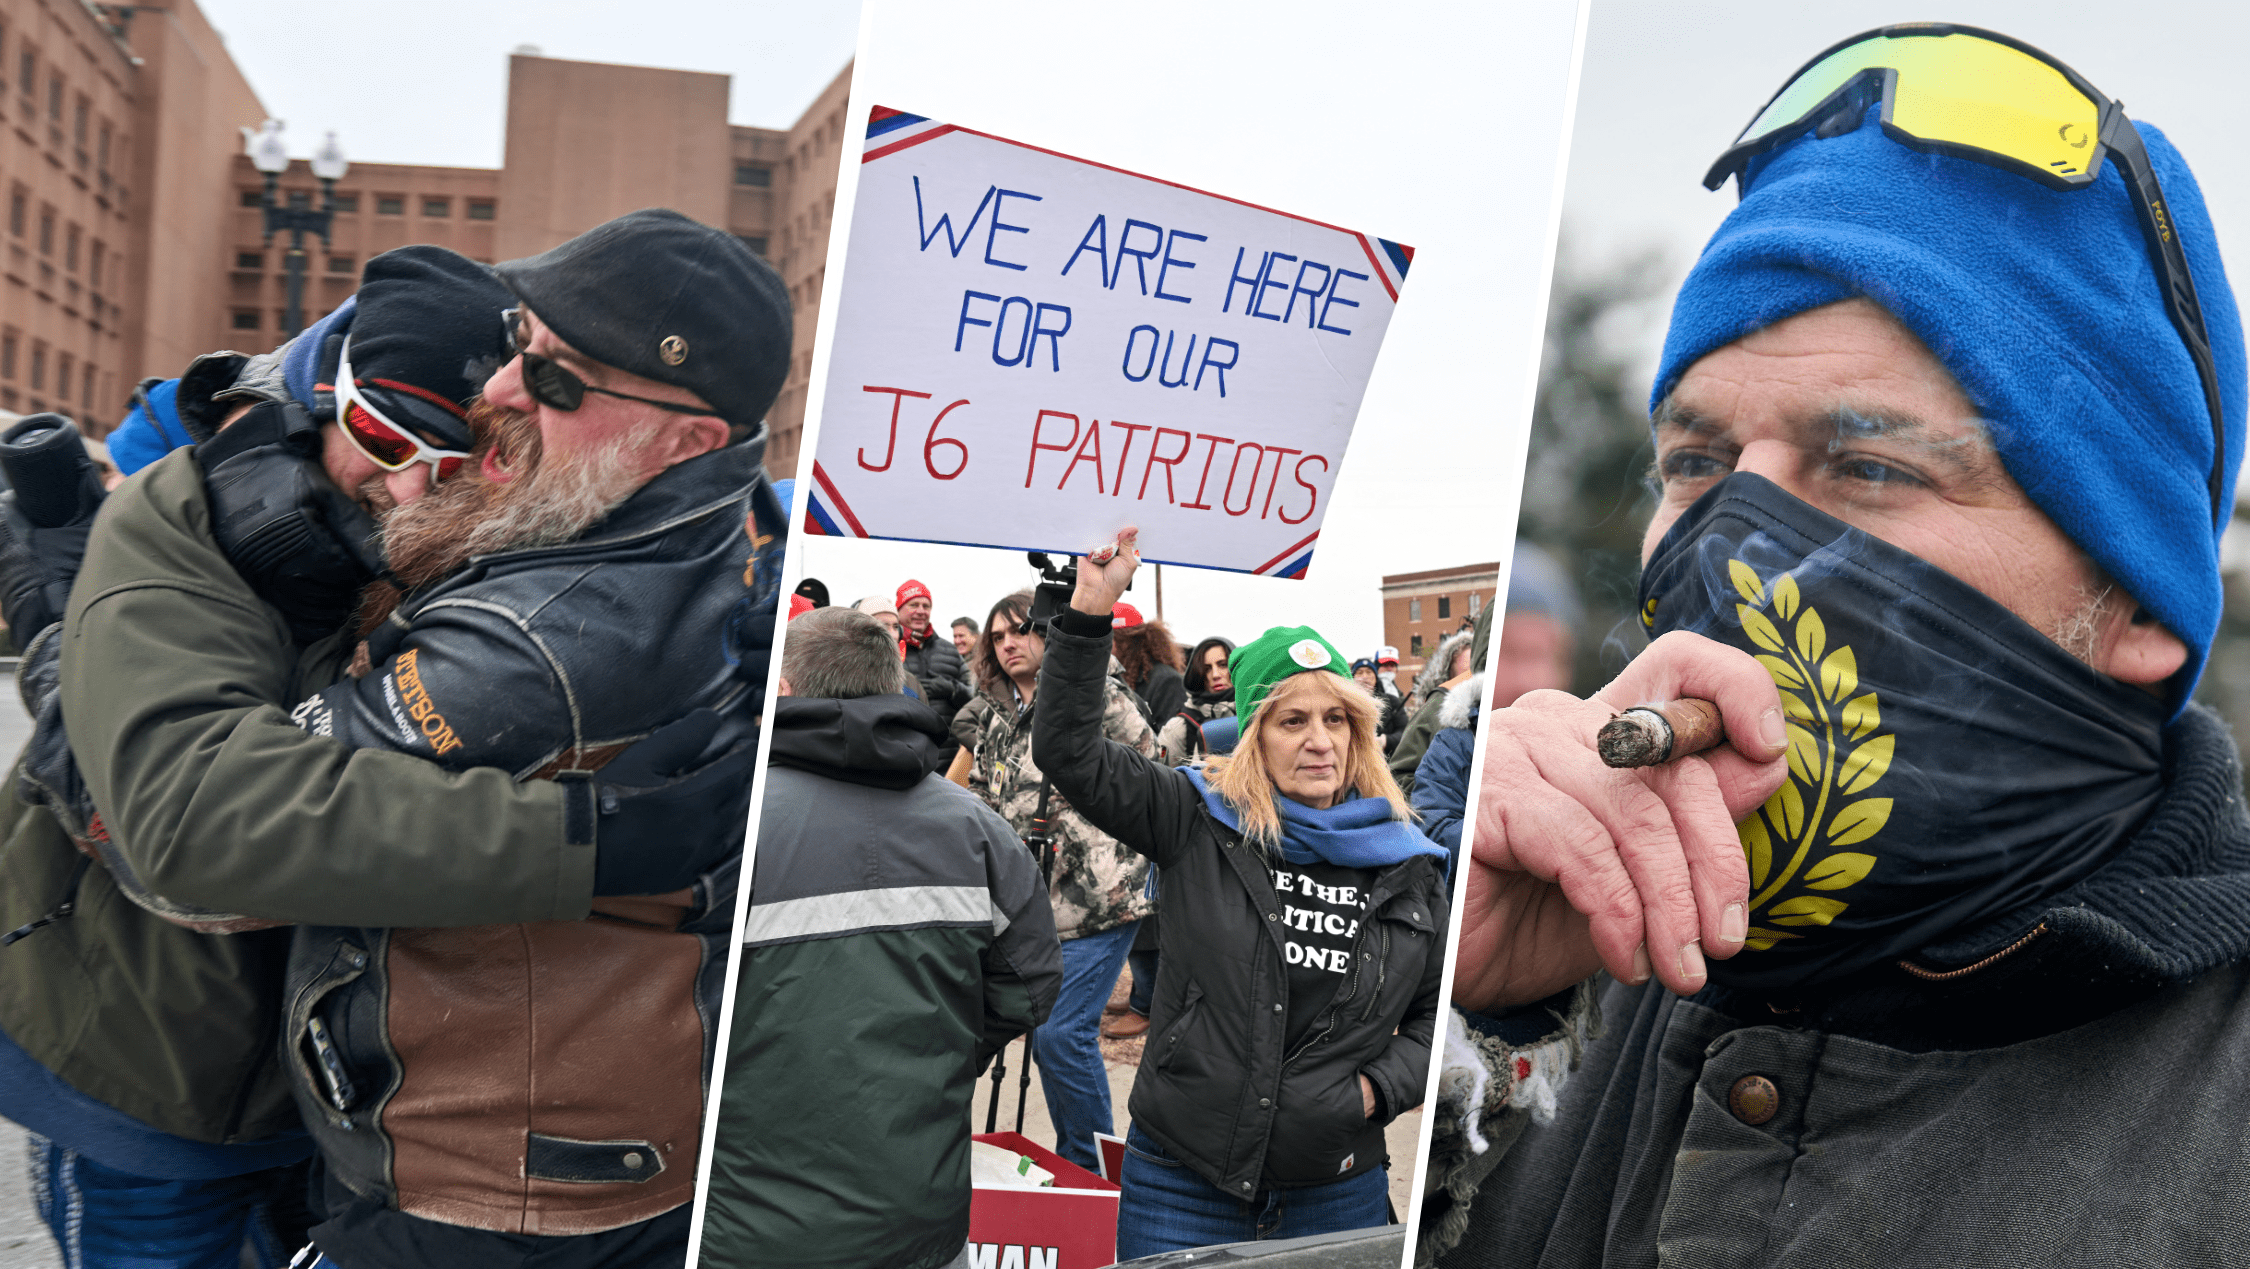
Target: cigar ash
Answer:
pixel 1639 737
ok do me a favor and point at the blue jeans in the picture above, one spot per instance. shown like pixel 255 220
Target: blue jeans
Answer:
pixel 1068 1046
pixel 1143 994
pixel 1167 1207
pixel 105 1219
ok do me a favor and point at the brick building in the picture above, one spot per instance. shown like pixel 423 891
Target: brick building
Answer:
pixel 1419 609
pixel 134 240
pixel 116 127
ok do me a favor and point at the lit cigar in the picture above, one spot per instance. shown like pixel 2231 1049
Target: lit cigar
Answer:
pixel 1650 734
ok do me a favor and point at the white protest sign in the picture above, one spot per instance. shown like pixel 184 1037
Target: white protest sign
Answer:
pixel 1032 351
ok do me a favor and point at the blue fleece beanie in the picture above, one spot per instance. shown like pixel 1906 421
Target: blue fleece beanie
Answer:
pixel 308 361
pixel 2044 305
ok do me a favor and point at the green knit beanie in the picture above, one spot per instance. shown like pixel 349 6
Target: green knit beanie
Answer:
pixel 1275 655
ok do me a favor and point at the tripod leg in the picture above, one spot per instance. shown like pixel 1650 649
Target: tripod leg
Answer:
pixel 999 1076
pixel 1023 1079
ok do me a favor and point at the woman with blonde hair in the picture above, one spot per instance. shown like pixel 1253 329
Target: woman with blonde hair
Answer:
pixel 1303 937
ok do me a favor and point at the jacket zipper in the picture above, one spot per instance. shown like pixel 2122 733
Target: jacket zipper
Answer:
pixel 68 905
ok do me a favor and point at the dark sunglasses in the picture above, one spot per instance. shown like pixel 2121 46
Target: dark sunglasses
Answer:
pixel 555 387
pixel 1976 94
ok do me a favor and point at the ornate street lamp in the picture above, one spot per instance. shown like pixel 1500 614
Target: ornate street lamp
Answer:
pixel 269 156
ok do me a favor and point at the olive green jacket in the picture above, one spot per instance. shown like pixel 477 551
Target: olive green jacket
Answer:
pixel 176 684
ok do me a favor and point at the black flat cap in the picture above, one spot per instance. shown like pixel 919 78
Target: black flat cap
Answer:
pixel 425 337
pixel 657 294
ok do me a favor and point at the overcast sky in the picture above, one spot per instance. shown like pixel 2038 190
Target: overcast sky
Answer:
pixel 1667 85
pixel 426 81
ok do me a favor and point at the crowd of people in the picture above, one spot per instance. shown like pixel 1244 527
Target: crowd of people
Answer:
pixel 1227 822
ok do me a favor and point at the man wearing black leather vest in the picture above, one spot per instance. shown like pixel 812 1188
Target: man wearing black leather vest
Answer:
pixel 493 1075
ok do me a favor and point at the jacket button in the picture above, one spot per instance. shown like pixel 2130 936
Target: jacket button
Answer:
pixel 1754 1099
pixel 1273 916
pixel 355 958
pixel 633 1160
pixel 1265 1102
pixel 1245 1185
pixel 1277 1007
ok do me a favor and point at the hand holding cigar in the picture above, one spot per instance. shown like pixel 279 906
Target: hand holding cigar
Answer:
pixel 1648 735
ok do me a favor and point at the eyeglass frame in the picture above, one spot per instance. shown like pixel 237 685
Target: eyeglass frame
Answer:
pixel 568 380
pixel 348 395
pixel 2115 137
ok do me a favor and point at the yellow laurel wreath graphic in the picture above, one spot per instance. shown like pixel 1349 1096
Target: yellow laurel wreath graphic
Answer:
pixel 1834 755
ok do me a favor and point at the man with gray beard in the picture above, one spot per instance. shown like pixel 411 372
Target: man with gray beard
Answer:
pixel 558 687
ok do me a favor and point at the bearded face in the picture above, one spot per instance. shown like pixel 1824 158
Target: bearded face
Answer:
pixel 505 498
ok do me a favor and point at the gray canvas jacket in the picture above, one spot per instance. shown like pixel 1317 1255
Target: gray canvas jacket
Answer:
pixel 2073 1100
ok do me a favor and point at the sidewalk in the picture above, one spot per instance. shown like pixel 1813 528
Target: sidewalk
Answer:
pixel 24 1242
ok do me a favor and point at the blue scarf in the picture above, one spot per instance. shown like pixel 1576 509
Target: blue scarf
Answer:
pixel 1356 833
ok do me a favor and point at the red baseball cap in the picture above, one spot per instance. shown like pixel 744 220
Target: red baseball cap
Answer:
pixel 799 605
pixel 911 589
pixel 1124 617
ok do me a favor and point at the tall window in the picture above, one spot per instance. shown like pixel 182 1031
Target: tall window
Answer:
pixel 46 231
pixel 38 367
pixel 1413 610
pixel 27 71
pixel 62 378
pixel 8 355
pixel 101 149
pixel 1444 606
pixel 78 122
pixel 17 209
pixel 1476 602
pixel 94 266
pixel 70 249
pixel 86 393
pixel 54 99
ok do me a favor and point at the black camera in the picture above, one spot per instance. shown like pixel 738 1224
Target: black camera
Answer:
pixel 1052 595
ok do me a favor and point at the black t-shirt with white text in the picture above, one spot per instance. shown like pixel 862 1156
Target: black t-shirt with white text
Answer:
pixel 1322 905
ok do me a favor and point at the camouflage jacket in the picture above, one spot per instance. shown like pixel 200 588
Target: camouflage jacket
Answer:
pixel 1098 884
pixel 1179 740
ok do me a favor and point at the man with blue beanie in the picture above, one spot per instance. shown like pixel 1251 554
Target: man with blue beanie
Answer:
pixel 1950 929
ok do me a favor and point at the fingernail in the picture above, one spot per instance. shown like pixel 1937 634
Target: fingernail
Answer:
pixel 1641 967
pixel 1691 964
pixel 1733 925
pixel 1772 730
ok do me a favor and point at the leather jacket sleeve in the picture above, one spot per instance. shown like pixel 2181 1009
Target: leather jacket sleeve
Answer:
pixel 1145 805
pixel 174 675
pixel 464 687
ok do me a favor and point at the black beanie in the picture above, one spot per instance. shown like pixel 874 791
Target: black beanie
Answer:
pixel 670 299
pixel 426 336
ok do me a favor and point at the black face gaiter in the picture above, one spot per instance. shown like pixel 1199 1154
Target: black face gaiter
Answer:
pixel 1948 763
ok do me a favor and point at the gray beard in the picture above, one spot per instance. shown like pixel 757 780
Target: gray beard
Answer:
pixel 548 502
